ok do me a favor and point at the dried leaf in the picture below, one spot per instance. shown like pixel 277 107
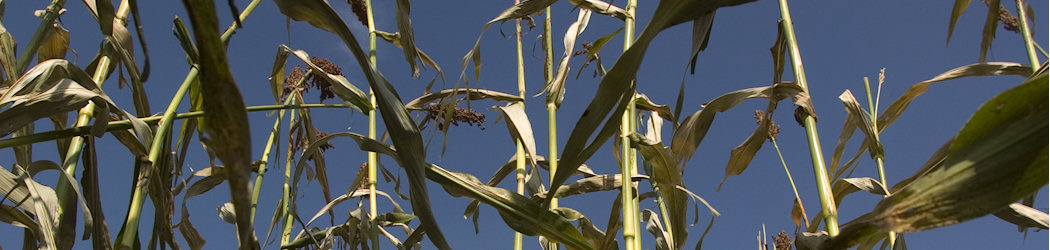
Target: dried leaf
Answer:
pixel 603 8
pixel 1024 216
pixel 555 89
pixel 957 10
pixel 471 94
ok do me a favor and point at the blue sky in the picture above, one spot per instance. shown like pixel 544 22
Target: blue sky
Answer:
pixel 841 42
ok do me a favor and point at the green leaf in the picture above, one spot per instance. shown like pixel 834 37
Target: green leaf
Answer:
pixel 395 39
pixel 408 40
pixel 225 117
pixel 667 174
pixel 863 122
pixel 520 127
pixel 1002 150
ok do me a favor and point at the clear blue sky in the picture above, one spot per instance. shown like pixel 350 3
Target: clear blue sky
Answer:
pixel 841 42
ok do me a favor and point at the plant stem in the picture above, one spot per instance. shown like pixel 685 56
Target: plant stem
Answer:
pixel 1026 32
pixel 125 124
pixel 276 131
pixel 552 108
pixel 373 158
pixel 289 202
pixel 76 145
pixel 792 181
pixel 873 113
pixel 519 148
pixel 629 201
pixel 50 14
pixel 827 204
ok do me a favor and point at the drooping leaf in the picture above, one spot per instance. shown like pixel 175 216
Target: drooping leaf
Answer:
pixel 520 127
pixel 90 181
pixel 555 89
pixel 520 10
pixel 55 43
pixel 978 69
pixel 667 174
pixel 957 10
pixel 395 39
pixel 617 87
pixel 340 85
pixel 991 22
pixel 863 122
pixel 1002 150
pixel 603 8
pixel 225 117
pixel 7 57
pixel 701 35
pixel 471 94
pixel 399 124
pixel 662 241
pixel 695 127
pixel 408 40
pixel 520 213
pixel 741 155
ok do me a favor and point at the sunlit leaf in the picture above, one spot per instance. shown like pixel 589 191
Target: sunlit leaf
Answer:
pixel 1024 216
pixel 395 39
pixel 471 94
pixel 667 174
pixel 555 89
pixel 603 8
pixel 408 40
pixel 1002 149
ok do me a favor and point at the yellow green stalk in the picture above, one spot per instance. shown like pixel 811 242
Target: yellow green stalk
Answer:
pixel 552 108
pixel 289 202
pixel 1029 45
pixel 373 159
pixel 519 148
pixel 873 113
pixel 628 166
pixel 827 204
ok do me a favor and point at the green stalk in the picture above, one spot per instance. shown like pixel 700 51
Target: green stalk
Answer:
pixel 552 108
pixel 152 120
pixel 373 158
pixel 50 14
pixel 127 237
pixel 286 194
pixel 827 204
pixel 519 148
pixel 791 180
pixel 1025 31
pixel 628 200
pixel 891 236
pixel 274 132
pixel 76 145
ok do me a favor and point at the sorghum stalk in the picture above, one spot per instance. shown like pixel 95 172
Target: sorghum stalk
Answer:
pixel 827 204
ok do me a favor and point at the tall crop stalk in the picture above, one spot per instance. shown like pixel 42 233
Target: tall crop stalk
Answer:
pixel 274 133
pixel 552 107
pixel 127 238
pixel 1029 45
pixel 628 165
pixel 519 148
pixel 289 204
pixel 76 144
pixel 873 113
pixel 373 158
pixel 827 204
